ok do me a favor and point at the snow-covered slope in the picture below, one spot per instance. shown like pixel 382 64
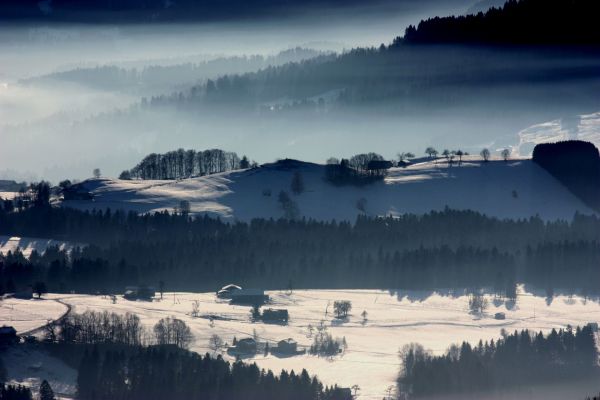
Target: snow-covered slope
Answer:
pixel 514 189
pixel 27 245
pixel 29 366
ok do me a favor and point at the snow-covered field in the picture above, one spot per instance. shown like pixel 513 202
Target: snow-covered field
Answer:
pixel 371 360
pixel 514 189
pixel 26 315
pixel 8 195
pixel 27 245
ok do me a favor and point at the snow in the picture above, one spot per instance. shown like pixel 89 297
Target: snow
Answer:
pixel 27 245
pixel 513 189
pixel 395 318
pixel 8 195
pixel 29 366
pixel 26 315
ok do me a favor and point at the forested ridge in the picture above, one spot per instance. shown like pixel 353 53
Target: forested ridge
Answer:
pixel 537 42
pixel 406 75
pixel 439 249
pixel 518 22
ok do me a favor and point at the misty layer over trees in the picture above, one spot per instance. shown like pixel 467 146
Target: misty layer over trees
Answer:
pixel 404 94
pixel 152 79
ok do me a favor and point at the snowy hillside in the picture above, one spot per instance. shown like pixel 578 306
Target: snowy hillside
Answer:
pixel 28 245
pixel 393 319
pixel 516 189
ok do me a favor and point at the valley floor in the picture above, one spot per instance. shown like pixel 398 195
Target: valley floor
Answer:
pixel 394 318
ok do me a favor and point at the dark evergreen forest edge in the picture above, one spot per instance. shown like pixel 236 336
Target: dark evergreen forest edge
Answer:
pixel 448 249
pixel 530 22
pixel 526 41
pixel 521 359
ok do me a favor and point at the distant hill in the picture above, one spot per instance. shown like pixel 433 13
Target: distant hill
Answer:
pixel 576 164
pixel 513 189
pixel 520 22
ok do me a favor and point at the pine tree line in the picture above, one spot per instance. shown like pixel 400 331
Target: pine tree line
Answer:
pixel 521 358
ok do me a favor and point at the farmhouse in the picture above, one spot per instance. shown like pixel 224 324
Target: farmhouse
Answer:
pixel 500 315
pixel 139 293
pixel 244 346
pixel 275 315
pixel 287 346
pixel 25 294
pixel 227 290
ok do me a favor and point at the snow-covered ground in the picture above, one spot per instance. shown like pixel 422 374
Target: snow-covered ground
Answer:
pixel 393 319
pixel 29 366
pixel 8 195
pixel 514 189
pixel 26 315
pixel 27 245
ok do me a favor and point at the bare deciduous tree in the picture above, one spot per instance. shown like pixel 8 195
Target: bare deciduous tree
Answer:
pixel 215 343
pixel 174 331
pixel 342 308
pixel 485 154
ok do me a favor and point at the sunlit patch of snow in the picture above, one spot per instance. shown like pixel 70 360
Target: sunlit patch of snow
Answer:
pixel 28 245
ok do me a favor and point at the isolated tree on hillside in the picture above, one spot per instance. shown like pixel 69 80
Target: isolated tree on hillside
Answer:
pixel 431 152
pixel 161 288
pixel 297 185
pixel 244 163
pixel 477 303
pixel 505 154
pixel 446 154
pixel 342 308
pixel 46 392
pixel 174 331
pixel 485 154
pixel 215 343
pixel 39 288
pixel 405 156
pixel 96 173
pixel 184 207
pixel 460 155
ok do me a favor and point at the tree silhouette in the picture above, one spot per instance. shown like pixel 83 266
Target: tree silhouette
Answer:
pixel 46 392
pixel 485 154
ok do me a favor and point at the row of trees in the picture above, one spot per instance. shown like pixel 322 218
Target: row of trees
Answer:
pixel 449 248
pixel 157 373
pixel 182 163
pixel 93 327
pixel 520 358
